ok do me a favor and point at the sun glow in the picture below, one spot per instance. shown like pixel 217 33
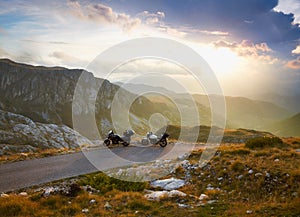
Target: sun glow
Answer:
pixel 221 60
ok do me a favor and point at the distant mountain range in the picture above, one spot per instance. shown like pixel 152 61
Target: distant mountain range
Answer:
pixel 45 94
pixel 290 102
pixel 287 127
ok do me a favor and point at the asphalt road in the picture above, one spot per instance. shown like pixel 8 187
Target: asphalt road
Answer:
pixel 28 173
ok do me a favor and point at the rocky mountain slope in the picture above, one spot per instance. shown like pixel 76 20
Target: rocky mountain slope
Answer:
pixel 20 134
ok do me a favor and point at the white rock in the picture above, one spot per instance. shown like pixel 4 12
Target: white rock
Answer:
pixel 276 160
pixel 85 210
pixel 48 191
pixel 203 196
pixel 183 156
pixel 240 176
pixel 211 201
pixel 181 205
pixel 107 205
pixel 258 174
pixel 168 184
pixel 175 193
pixel 92 201
pixel 157 195
pixel 249 211
pixel 3 195
pixel 250 171
pixel 24 194
pixel 220 178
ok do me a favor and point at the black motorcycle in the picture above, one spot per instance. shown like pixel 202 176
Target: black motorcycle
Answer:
pixel 155 140
pixel 113 138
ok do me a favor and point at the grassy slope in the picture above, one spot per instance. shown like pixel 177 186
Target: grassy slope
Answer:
pixel 272 195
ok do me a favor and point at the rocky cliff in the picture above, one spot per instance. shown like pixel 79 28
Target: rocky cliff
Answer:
pixel 45 94
pixel 21 134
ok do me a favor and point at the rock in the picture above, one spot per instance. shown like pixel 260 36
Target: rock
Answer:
pixel 240 177
pixel 181 205
pixel 22 135
pixel 297 150
pixel 168 184
pixel 48 191
pixel 183 156
pixel 249 212
pixel 203 196
pixel 107 205
pixel 175 193
pixel 157 195
pixel 258 174
pixel 210 187
pixel 220 178
pixel 92 201
pixel 268 175
pixel 295 194
pixel 22 154
pixel 85 210
pixel 3 195
pixel 211 201
pixel 24 194
pixel 185 163
pixel 276 160
pixel 250 171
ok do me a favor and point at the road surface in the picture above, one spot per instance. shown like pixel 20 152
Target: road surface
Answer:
pixel 28 173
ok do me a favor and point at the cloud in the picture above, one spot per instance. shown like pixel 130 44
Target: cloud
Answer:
pixel 67 59
pixel 296 50
pixel 3 53
pixel 103 14
pixel 290 6
pixel 151 18
pixel 247 48
pixel 254 20
pixel 293 64
pixel 218 33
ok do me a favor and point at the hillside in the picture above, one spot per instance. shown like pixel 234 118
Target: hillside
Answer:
pixel 287 127
pixel 45 94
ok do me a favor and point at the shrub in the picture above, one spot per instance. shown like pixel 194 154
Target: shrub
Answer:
pixel 105 183
pixel 262 142
pixel 237 166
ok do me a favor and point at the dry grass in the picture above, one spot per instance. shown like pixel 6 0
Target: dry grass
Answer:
pixel 39 153
pixel 271 189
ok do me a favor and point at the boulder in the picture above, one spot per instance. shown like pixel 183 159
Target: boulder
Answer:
pixel 168 184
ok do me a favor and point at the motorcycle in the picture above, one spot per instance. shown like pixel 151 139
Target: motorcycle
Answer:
pixel 154 139
pixel 113 138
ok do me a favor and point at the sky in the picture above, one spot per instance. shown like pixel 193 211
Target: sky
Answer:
pixel 253 46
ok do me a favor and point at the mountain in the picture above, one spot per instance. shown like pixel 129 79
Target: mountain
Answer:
pixel 241 112
pixel 46 95
pixel 290 102
pixel 286 127
pixel 142 88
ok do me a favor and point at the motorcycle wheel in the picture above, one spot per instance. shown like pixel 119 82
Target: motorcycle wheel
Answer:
pixel 107 142
pixel 163 143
